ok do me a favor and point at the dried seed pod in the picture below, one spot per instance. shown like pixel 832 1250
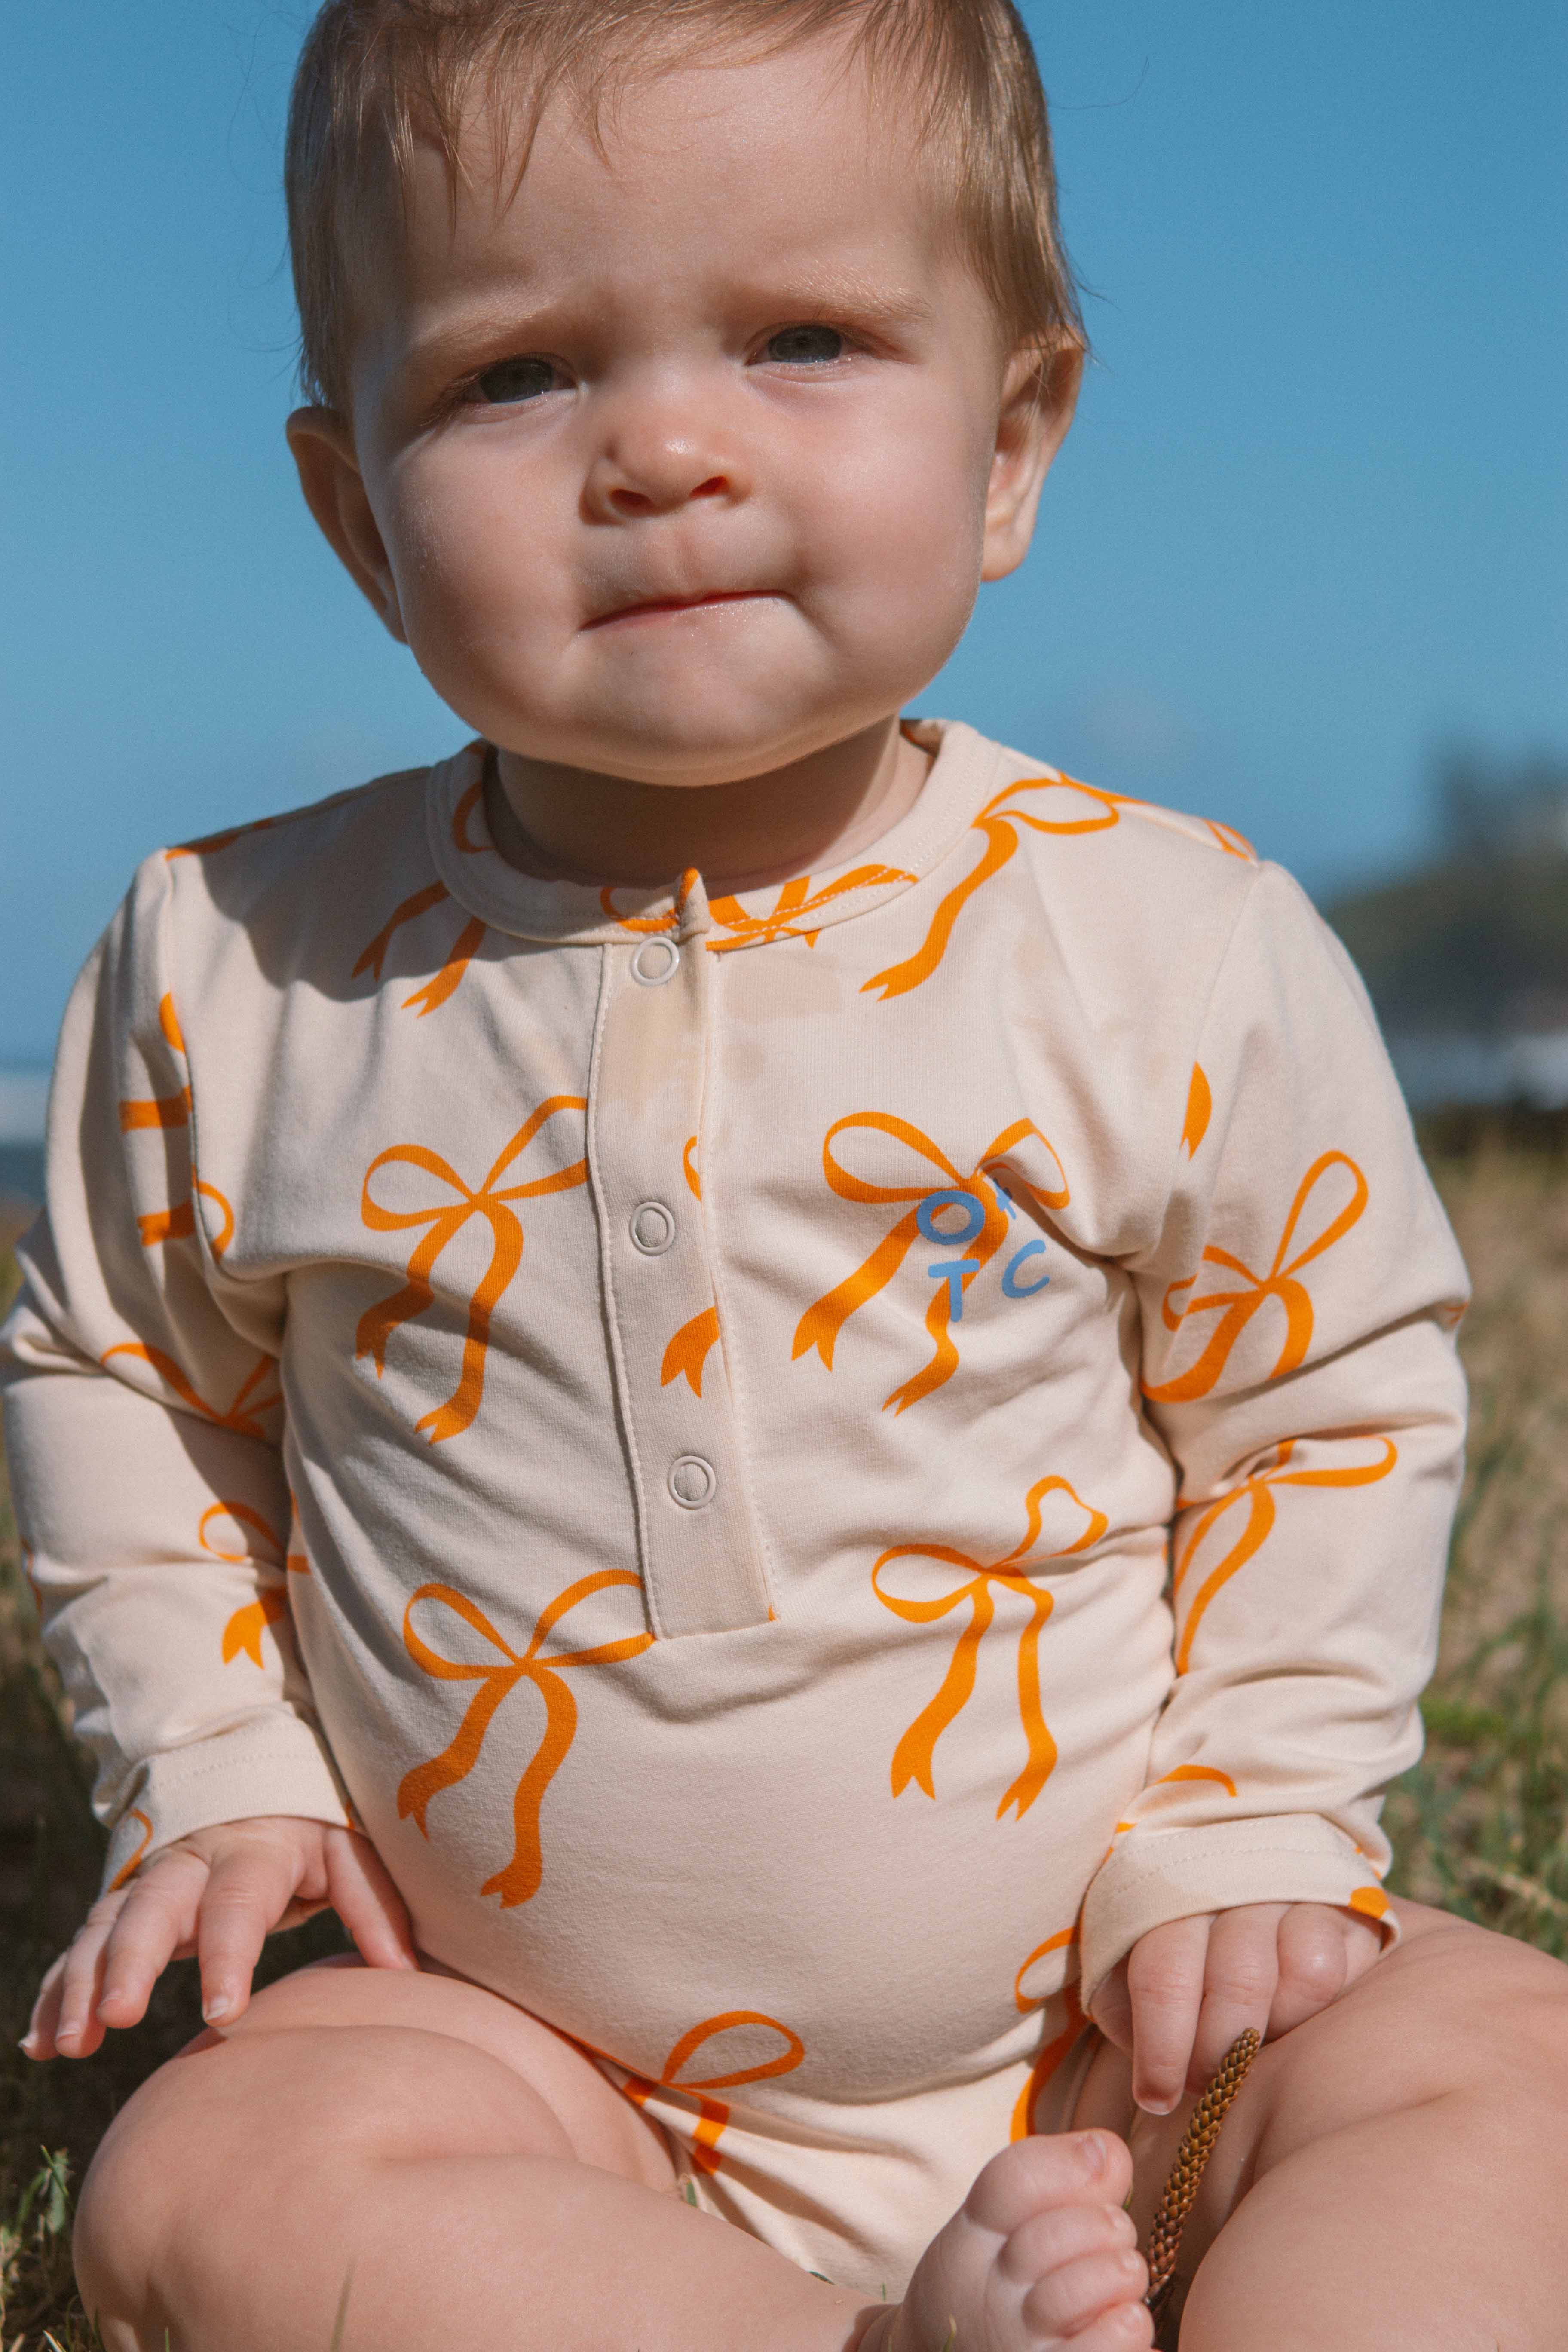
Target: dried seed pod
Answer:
pixel 1180 2192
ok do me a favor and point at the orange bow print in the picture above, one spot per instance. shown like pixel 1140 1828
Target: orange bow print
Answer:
pixel 795 898
pixel 1183 1772
pixel 167 1112
pixel 128 1870
pixel 465 947
pixel 1257 1495
pixel 998 824
pixel 1093 811
pixel 242 1415
pixel 687 1353
pixel 914 1756
pixel 444 1223
pixel 520 1877
pixel 821 1324
pixel 1053 2052
pixel 669 921
pixel 179 1223
pixel 159 1110
pixel 713 2113
pixel 1200 1111
pixel 1237 1307
pixel 246 1627
pixel 212 841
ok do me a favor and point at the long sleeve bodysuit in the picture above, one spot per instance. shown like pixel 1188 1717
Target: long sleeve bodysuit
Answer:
pixel 808 1466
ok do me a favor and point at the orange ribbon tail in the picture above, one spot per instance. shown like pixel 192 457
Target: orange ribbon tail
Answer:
pixel 688 1351
pixel 246 1627
pixel 1001 844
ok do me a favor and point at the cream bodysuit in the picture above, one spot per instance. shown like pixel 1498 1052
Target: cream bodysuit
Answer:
pixel 809 1467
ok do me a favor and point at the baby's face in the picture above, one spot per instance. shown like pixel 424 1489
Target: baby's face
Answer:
pixel 689 460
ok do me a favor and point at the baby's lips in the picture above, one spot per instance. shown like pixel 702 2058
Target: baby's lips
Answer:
pixel 655 600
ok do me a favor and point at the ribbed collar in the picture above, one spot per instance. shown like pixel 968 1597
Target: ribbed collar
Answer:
pixel 965 774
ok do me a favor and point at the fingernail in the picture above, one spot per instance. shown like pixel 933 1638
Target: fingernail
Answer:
pixel 1092 2149
pixel 29 2044
pixel 218 2006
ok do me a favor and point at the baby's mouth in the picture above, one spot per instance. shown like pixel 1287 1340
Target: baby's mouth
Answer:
pixel 650 608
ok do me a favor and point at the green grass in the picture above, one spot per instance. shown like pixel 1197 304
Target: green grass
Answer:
pixel 1480 1826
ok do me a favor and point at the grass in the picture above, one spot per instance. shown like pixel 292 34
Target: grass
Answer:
pixel 1479 1826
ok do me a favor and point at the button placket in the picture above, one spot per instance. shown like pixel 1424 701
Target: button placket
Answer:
pixel 701 1563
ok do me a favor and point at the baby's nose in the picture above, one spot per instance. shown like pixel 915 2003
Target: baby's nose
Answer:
pixel 645 467
pixel 627 499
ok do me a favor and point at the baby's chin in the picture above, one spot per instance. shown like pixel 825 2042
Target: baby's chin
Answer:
pixel 705 741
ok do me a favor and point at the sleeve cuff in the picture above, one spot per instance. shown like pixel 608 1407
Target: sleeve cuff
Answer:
pixel 1152 1875
pixel 273 1765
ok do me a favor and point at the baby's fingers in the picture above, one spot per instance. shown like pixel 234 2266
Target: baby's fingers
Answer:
pixel 77 2026
pixel 250 1887
pixel 1322 1950
pixel 1240 1975
pixel 360 1891
pixel 1165 1984
pixel 126 1941
pixel 42 2038
pixel 156 1918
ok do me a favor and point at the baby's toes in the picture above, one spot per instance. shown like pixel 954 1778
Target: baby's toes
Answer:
pixel 1098 2289
pixel 1127 2327
pixel 1047 2172
pixel 1077 2264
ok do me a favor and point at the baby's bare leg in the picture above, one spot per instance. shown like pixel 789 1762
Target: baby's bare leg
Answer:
pixel 1395 2174
pixel 483 2183
pixel 478 2176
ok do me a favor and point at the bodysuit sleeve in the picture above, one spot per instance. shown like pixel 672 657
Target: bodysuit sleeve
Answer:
pixel 1297 1315
pixel 143 1422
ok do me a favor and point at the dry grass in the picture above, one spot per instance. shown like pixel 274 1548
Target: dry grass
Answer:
pixel 53 2116
pixel 1481 1825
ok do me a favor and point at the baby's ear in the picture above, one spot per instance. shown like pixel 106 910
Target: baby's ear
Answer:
pixel 1039 393
pixel 329 475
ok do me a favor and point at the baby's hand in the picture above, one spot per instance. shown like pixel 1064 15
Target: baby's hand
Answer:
pixel 1185 1991
pixel 219 1894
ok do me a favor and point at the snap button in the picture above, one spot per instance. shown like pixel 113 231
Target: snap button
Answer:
pixel 653 1228
pixel 655 962
pixel 693 1481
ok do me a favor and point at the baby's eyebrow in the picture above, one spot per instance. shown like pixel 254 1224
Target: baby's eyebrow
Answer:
pixel 842 296
pixel 466 334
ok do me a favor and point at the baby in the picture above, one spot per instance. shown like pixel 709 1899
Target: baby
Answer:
pixel 772 1388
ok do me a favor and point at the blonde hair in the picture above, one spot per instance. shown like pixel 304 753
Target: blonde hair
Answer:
pixel 375 76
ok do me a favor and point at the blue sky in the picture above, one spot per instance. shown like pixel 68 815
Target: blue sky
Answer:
pixel 1313 520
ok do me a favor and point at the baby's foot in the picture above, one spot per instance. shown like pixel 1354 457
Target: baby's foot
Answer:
pixel 1040 2253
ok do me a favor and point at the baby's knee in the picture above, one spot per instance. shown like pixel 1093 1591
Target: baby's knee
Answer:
pixel 141 2178
pixel 188 2168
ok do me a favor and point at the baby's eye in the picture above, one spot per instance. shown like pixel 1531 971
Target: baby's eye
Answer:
pixel 511 382
pixel 805 345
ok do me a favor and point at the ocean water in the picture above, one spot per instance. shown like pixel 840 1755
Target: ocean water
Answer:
pixel 23 1093
pixel 21 1174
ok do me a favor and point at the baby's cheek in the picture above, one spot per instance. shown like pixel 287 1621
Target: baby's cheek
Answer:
pixel 479 593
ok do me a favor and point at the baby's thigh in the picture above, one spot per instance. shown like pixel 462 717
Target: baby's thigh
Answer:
pixel 331 2076
pixel 1434 2082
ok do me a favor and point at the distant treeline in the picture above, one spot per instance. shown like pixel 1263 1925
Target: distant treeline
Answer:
pixel 1477 941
